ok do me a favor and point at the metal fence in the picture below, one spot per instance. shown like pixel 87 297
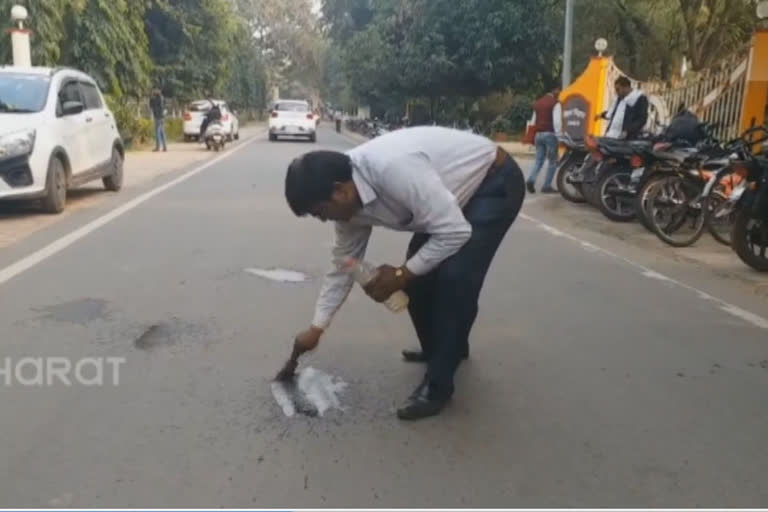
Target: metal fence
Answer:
pixel 715 95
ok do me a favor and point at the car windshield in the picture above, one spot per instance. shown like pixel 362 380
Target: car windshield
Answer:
pixel 22 93
pixel 292 107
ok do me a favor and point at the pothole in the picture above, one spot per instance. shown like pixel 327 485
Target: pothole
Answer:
pixel 279 275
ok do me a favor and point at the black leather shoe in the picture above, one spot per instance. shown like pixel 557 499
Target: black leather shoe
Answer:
pixel 417 356
pixel 414 356
pixel 420 405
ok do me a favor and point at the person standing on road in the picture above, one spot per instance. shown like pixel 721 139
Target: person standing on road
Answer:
pixel 546 140
pixel 157 106
pixel 458 192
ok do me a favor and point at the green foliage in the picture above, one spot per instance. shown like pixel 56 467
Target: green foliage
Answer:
pixel 107 40
pixel 443 48
pixel 650 37
pixel 174 129
pixel 191 43
pixel 189 48
pixel 130 125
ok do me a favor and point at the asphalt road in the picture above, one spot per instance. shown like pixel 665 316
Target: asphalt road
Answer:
pixel 592 381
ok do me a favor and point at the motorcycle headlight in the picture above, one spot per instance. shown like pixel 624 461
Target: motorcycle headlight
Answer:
pixel 17 144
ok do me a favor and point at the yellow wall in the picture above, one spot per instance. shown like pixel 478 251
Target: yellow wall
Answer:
pixel 591 86
pixel 756 94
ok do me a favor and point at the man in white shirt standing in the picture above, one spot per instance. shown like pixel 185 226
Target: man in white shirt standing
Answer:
pixel 458 192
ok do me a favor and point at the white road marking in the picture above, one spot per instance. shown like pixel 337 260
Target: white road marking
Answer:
pixel 26 263
pixel 732 309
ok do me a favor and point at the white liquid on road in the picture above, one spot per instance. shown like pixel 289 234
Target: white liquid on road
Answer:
pixel 278 274
pixel 313 388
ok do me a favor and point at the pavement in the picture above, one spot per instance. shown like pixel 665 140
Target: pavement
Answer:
pixel 600 375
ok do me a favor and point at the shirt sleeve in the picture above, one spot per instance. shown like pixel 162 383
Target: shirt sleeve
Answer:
pixel 412 182
pixel 557 118
pixel 350 241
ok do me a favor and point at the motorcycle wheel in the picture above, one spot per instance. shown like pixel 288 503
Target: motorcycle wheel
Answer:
pixel 613 206
pixel 570 191
pixel 720 227
pixel 642 207
pixel 675 199
pixel 589 187
pixel 750 240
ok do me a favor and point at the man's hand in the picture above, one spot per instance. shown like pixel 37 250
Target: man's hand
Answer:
pixel 307 340
pixel 388 280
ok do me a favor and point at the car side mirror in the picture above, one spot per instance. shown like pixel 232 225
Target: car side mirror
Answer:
pixel 71 108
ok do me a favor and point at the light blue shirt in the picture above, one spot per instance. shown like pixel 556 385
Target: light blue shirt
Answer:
pixel 413 179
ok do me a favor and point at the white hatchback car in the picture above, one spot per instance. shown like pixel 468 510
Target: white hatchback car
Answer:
pixel 56 133
pixel 292 118
pixel 193 120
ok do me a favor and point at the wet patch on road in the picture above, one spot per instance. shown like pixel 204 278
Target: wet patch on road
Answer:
pixel 311 393
pixel 79 312
pixel 279 275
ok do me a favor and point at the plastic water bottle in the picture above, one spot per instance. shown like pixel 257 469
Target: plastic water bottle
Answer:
pixel 364 273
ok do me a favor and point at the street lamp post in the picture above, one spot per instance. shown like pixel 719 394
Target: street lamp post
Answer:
pixel 22 54
pixel 568 44
pixel 762 11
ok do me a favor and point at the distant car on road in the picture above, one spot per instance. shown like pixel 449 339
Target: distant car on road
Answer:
pixel 56 133
pixel 193 119
pixel 292 118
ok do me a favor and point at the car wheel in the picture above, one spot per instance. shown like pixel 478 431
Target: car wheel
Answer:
pixel 237 136
pixel 272 137
pixel 55 187
pixel 313 137
pixel 187 138
pixel 114 182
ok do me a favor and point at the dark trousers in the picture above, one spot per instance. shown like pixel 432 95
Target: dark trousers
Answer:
pixel 443 303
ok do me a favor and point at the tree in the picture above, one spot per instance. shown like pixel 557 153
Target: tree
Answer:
pixel 343 18
pixel 106 39
pixel 443 48
pixel 191 44
pixel 715 28
pixel 288 38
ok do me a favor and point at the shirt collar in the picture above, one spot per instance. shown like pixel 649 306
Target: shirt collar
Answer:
pixel 364 189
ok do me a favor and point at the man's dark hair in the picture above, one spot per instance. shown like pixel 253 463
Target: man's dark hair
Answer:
pixel 311 177
pixel 623 81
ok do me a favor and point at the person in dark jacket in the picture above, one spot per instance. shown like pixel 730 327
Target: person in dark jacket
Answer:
pixel 213 115
pixel 157 106
pixel 629 113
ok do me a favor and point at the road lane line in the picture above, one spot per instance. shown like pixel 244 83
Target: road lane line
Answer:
pixel 37 257
pixel 731 309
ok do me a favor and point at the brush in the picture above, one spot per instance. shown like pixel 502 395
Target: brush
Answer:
pixel 286 377
pixel 288 372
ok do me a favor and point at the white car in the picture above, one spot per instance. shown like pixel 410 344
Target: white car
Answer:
pixel 56 133
pixel 193 119
pixel 292 118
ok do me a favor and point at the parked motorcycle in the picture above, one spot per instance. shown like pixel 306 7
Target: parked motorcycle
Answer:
pixel 750 230
pixel 573 158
